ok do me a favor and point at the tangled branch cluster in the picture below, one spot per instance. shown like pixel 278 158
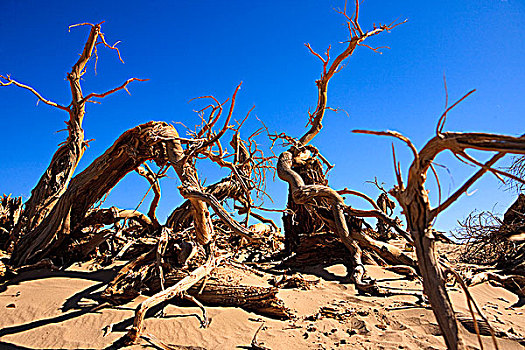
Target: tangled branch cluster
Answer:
pixel 485 243
pixel 517 168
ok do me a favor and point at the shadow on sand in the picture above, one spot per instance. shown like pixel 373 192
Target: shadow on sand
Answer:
pixel 72 303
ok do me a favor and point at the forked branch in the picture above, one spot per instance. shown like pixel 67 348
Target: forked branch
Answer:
pixel 416 207
pixel 357 36
pixel 51 187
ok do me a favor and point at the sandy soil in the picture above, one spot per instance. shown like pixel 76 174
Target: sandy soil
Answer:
pixel 50 310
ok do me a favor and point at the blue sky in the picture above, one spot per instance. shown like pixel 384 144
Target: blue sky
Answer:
pixel 189 49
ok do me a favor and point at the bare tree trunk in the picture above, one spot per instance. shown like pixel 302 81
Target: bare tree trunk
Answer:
pixel 420 226
pixel 153 140
pixel 57 176
pixel 55 179
pixel 298 220
pixel 419 214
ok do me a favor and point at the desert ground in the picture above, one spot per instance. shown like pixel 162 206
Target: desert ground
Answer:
pixel 44 309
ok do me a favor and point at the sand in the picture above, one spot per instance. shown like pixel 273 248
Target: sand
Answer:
pixel 49 310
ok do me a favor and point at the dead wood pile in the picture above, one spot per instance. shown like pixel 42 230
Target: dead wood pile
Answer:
pixel 207 254
pixel 494 248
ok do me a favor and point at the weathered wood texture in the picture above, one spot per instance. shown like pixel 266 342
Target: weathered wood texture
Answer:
pixel 419 215
pixel 55 179
pixel 226 285
pixel 150 141
pixel 299 221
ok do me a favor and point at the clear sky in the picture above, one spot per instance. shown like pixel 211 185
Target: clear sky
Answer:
pixel 194 48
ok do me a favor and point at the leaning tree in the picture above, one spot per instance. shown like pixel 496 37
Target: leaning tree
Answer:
pixel 413 198
pixel 55 180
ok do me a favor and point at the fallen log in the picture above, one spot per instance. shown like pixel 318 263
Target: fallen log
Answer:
pixel 226 285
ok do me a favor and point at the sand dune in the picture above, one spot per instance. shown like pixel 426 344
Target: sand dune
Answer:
pixel 50 310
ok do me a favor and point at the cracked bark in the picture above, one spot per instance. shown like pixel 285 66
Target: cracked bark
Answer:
pixel 150 141
pixel 55 179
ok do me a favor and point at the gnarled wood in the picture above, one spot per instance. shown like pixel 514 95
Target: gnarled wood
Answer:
pixel 298 220
pixel 303 194
pixel 151 141
pixel 54 181
pixel 419 214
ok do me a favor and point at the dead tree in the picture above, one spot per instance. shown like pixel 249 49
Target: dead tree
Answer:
pixel 156 141
pixel 419 214
pixel 56 210
pixel 55 179
pixel 301 166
